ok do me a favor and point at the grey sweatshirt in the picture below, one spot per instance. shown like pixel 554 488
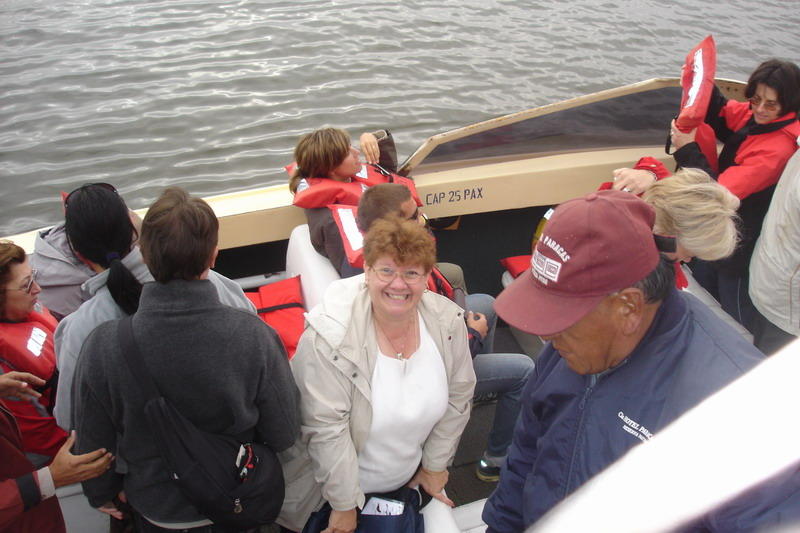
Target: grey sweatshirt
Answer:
pixel 222 368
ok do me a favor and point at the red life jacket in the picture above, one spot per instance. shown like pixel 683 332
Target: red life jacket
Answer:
pixel 319 192
pixel 697 80
pixel 438 283
pixel 281 306
pixel 353 241
pixel 352 238
pixel 28 347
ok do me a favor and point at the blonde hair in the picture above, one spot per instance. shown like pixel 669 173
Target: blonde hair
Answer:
pixel 699 212
pixel 318 153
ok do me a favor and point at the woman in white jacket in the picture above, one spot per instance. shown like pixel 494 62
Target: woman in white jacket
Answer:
pixel 386 380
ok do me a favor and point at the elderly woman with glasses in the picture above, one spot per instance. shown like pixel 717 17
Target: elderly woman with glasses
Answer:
pixel 386 381
pixel 26 345
pixel 759 136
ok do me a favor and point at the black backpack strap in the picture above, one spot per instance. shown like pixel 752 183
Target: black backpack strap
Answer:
pixel 135 361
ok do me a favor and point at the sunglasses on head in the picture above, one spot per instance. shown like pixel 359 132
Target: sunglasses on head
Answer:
pixel 106 186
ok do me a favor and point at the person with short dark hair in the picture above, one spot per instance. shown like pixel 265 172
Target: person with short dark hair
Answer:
pixel 222 368
pixel 626 353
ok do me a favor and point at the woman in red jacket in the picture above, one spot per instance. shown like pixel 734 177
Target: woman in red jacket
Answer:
pixel 26 345
pixel 759 136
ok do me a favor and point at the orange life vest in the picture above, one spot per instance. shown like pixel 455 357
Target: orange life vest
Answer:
pixel 697 80
pixel 280 305
pixel 319 192
pixel 353 241
pixel 28 347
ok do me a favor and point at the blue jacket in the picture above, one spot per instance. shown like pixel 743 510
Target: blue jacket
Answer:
pixel 572 426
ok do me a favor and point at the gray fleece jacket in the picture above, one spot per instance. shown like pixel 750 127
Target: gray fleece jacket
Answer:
pixel 222 368
pixel 72 332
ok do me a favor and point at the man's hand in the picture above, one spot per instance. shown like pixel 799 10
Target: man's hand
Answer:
pixel 478 322
pixel 342 522
pixel 67 469
pixel 433 483
pixel 633 180
pixel 369 147
pixel 19 386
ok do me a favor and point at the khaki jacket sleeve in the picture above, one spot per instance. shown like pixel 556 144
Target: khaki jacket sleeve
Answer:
pixel 440 447
pixel 325 405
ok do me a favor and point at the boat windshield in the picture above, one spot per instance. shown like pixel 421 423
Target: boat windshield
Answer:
pixel 630 120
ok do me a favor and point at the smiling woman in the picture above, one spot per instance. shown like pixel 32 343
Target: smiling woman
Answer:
pixel 398 259
pixel 26 345
pixel 386 379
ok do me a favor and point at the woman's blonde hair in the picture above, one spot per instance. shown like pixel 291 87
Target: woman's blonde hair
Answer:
pixel 318 153
pixel 405 241
pixel 699 212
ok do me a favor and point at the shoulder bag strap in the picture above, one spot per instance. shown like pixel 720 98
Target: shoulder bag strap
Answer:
pixel 133 358
pixel 135 361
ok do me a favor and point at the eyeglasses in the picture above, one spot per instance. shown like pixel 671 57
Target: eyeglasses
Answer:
pixel 106 186
pixel 769 105
pixel 28 286
pixel 387 275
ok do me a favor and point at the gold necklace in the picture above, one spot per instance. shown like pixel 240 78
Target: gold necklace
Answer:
pixel 398 353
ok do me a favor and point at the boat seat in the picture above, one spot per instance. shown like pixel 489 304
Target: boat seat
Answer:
pixel 315 270
pixel 694 288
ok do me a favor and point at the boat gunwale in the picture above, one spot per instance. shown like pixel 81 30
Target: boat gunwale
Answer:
pixel 241 210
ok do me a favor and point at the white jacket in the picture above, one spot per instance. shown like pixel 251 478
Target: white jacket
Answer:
pixel 775 266
pixel 60 273
pixel 333 367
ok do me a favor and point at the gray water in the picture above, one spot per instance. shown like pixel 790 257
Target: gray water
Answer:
pixel 212 96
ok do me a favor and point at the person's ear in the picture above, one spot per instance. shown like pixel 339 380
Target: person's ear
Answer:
pixel 628 310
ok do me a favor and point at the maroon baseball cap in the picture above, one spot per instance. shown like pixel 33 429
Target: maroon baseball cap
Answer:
pixel 591 247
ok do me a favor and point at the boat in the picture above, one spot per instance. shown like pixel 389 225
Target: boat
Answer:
pixel 477 183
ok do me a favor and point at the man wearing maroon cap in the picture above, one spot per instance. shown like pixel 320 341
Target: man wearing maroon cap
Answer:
pixel 626 354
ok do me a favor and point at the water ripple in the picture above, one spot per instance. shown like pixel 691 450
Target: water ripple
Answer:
pixel 212 95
